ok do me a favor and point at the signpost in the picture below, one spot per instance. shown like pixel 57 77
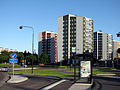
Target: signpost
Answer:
pixel 13 60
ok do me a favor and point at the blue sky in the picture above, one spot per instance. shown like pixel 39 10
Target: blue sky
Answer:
pixel 42 15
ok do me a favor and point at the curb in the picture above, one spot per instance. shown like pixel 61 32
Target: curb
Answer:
pixel 17 79
pixel 73 87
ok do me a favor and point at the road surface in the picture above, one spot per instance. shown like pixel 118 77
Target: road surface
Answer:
pixel 105 83
pixel 3 78
pixel 37 83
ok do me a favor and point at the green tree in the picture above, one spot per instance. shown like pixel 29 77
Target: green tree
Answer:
pixel 44 59
pixel 5 53
pixel 20 56
pixel 4 57
pixel 29 58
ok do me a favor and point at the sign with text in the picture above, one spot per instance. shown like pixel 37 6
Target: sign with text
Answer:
pixel 13 60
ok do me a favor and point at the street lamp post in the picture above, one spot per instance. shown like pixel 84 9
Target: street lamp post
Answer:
pixel 32 42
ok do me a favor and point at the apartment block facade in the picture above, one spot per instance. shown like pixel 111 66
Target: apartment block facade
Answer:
pixel 103 45
pixel 116 45
pixel 74 32
pixel 47 44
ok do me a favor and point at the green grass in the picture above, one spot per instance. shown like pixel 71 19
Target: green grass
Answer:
pixel 9 65
pixel 62 66
pixel 49 66
pixel 36 72
pixel 100 72
pixel 51 70
pixel 107 68
pixel 54 72
pixel 3 64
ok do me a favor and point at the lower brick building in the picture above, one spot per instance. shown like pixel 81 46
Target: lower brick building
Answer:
pixel 47 44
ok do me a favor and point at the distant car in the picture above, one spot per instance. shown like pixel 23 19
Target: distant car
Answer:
pixel 25 66
pixel 4 69
pixel 95 64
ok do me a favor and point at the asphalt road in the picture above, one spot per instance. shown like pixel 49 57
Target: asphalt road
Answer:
pixel 3 78
pixel 63 86
pixel 105 83
pixel 39 82
pixel 36 83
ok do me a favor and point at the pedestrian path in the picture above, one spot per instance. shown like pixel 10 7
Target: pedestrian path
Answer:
pixel 80 86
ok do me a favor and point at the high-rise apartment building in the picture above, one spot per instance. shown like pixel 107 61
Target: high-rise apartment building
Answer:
pixel 47 44
pixel 116 45
pixel 102 45
pixel 74 32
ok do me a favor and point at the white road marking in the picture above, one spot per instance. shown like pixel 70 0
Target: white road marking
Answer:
pixel 53 85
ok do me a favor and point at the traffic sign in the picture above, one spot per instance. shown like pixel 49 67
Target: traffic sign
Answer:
pixel 13 55
pixel 13 60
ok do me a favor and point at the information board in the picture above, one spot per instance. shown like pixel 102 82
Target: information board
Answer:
pixel 85 68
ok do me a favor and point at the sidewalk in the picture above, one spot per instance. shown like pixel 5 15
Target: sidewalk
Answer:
pixel 17 79
pixel 80 86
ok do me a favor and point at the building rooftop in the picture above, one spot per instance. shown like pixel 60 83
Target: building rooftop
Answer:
pixel 48 32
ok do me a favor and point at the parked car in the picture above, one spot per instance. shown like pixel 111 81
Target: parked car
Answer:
pixel 4 69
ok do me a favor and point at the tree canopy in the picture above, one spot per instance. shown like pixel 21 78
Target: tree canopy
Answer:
pixel 5 56
pixel 44 59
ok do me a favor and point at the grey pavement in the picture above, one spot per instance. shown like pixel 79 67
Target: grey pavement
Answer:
pixel 70 86
pixel 103 82
pixel 35 82
pixel 17 79
pixel 80 86
pixel 3 77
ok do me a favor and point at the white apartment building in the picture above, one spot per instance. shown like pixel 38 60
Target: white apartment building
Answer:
pixel 103 45
pixel 74 32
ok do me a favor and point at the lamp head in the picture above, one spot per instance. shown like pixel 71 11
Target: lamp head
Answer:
pixel 20 27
